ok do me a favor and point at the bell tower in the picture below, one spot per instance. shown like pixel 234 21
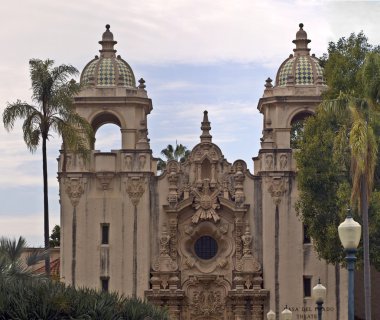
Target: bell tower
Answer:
pixel 285 104
pixel 105 200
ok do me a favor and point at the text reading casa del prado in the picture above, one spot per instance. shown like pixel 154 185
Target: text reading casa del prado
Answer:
pixel 207 238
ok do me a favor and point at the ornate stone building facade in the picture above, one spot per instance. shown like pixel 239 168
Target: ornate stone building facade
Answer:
pixel 207 238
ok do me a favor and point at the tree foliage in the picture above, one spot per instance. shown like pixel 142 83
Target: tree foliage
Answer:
pixel 12 265
pixel 52 93
pixel 339 146
pixel 55 237
pixel 179 153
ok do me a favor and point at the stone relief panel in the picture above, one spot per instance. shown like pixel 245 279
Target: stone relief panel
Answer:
pixel 283 161
pixel 74 163
pixel 206 297
pixel 128 162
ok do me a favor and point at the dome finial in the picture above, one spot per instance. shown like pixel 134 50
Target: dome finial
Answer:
pixel 206 127
pixel 107 43
pixel 301 41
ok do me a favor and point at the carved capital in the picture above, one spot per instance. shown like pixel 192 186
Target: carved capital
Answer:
pixel 74 189
pixel 135 189
pixel 277 188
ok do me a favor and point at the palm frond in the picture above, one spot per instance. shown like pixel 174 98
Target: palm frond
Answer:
pixel 17 110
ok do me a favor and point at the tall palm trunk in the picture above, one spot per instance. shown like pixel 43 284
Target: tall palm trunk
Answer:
pixel 46 206
pixel 367 268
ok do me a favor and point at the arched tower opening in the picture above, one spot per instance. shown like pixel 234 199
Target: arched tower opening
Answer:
pixel 107 132
pixel 297 126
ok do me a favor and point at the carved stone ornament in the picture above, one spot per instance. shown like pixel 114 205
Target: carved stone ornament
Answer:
pixel 277 188
pixel 207 302
pixel 283 161
pixel 239 177
pixel 74 189
pixel 164 242
pixel 142 161
pixel 269 162
pixel 206 203
pixel 105 179
pixel 135 189
pixel 164 262
pixel 247 241
pixel 207 297
pixel 128 161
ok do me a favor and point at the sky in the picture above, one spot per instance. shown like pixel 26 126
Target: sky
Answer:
pixel 194 55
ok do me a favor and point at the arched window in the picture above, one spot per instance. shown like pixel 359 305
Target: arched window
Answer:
pixel 107 132
pixel 107 138
pixel 296 130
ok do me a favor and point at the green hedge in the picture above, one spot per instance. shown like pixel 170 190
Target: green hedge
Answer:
pixel 37 299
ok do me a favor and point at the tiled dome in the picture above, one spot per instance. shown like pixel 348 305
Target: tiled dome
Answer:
pixel 108 70
pixel 300 68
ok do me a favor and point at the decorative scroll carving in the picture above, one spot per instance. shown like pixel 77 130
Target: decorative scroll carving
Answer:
pixel 206 203
pixel 74 189
pixel 135 189
pixel 277 188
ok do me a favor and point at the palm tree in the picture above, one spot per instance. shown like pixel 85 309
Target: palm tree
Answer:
pixel 52 94
pixel 179 153
pixel 12 266
pixel 362 109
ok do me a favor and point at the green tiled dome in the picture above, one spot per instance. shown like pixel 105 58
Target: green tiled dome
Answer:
pixel 104 72
pixel 285 70
pixel 108 70
pixel 300 69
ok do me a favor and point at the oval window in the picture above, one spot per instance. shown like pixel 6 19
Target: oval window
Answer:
pixel 206 247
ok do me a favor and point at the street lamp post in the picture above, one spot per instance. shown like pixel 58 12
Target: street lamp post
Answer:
pixel 286 314
pixel 319 294
pixel 349 234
